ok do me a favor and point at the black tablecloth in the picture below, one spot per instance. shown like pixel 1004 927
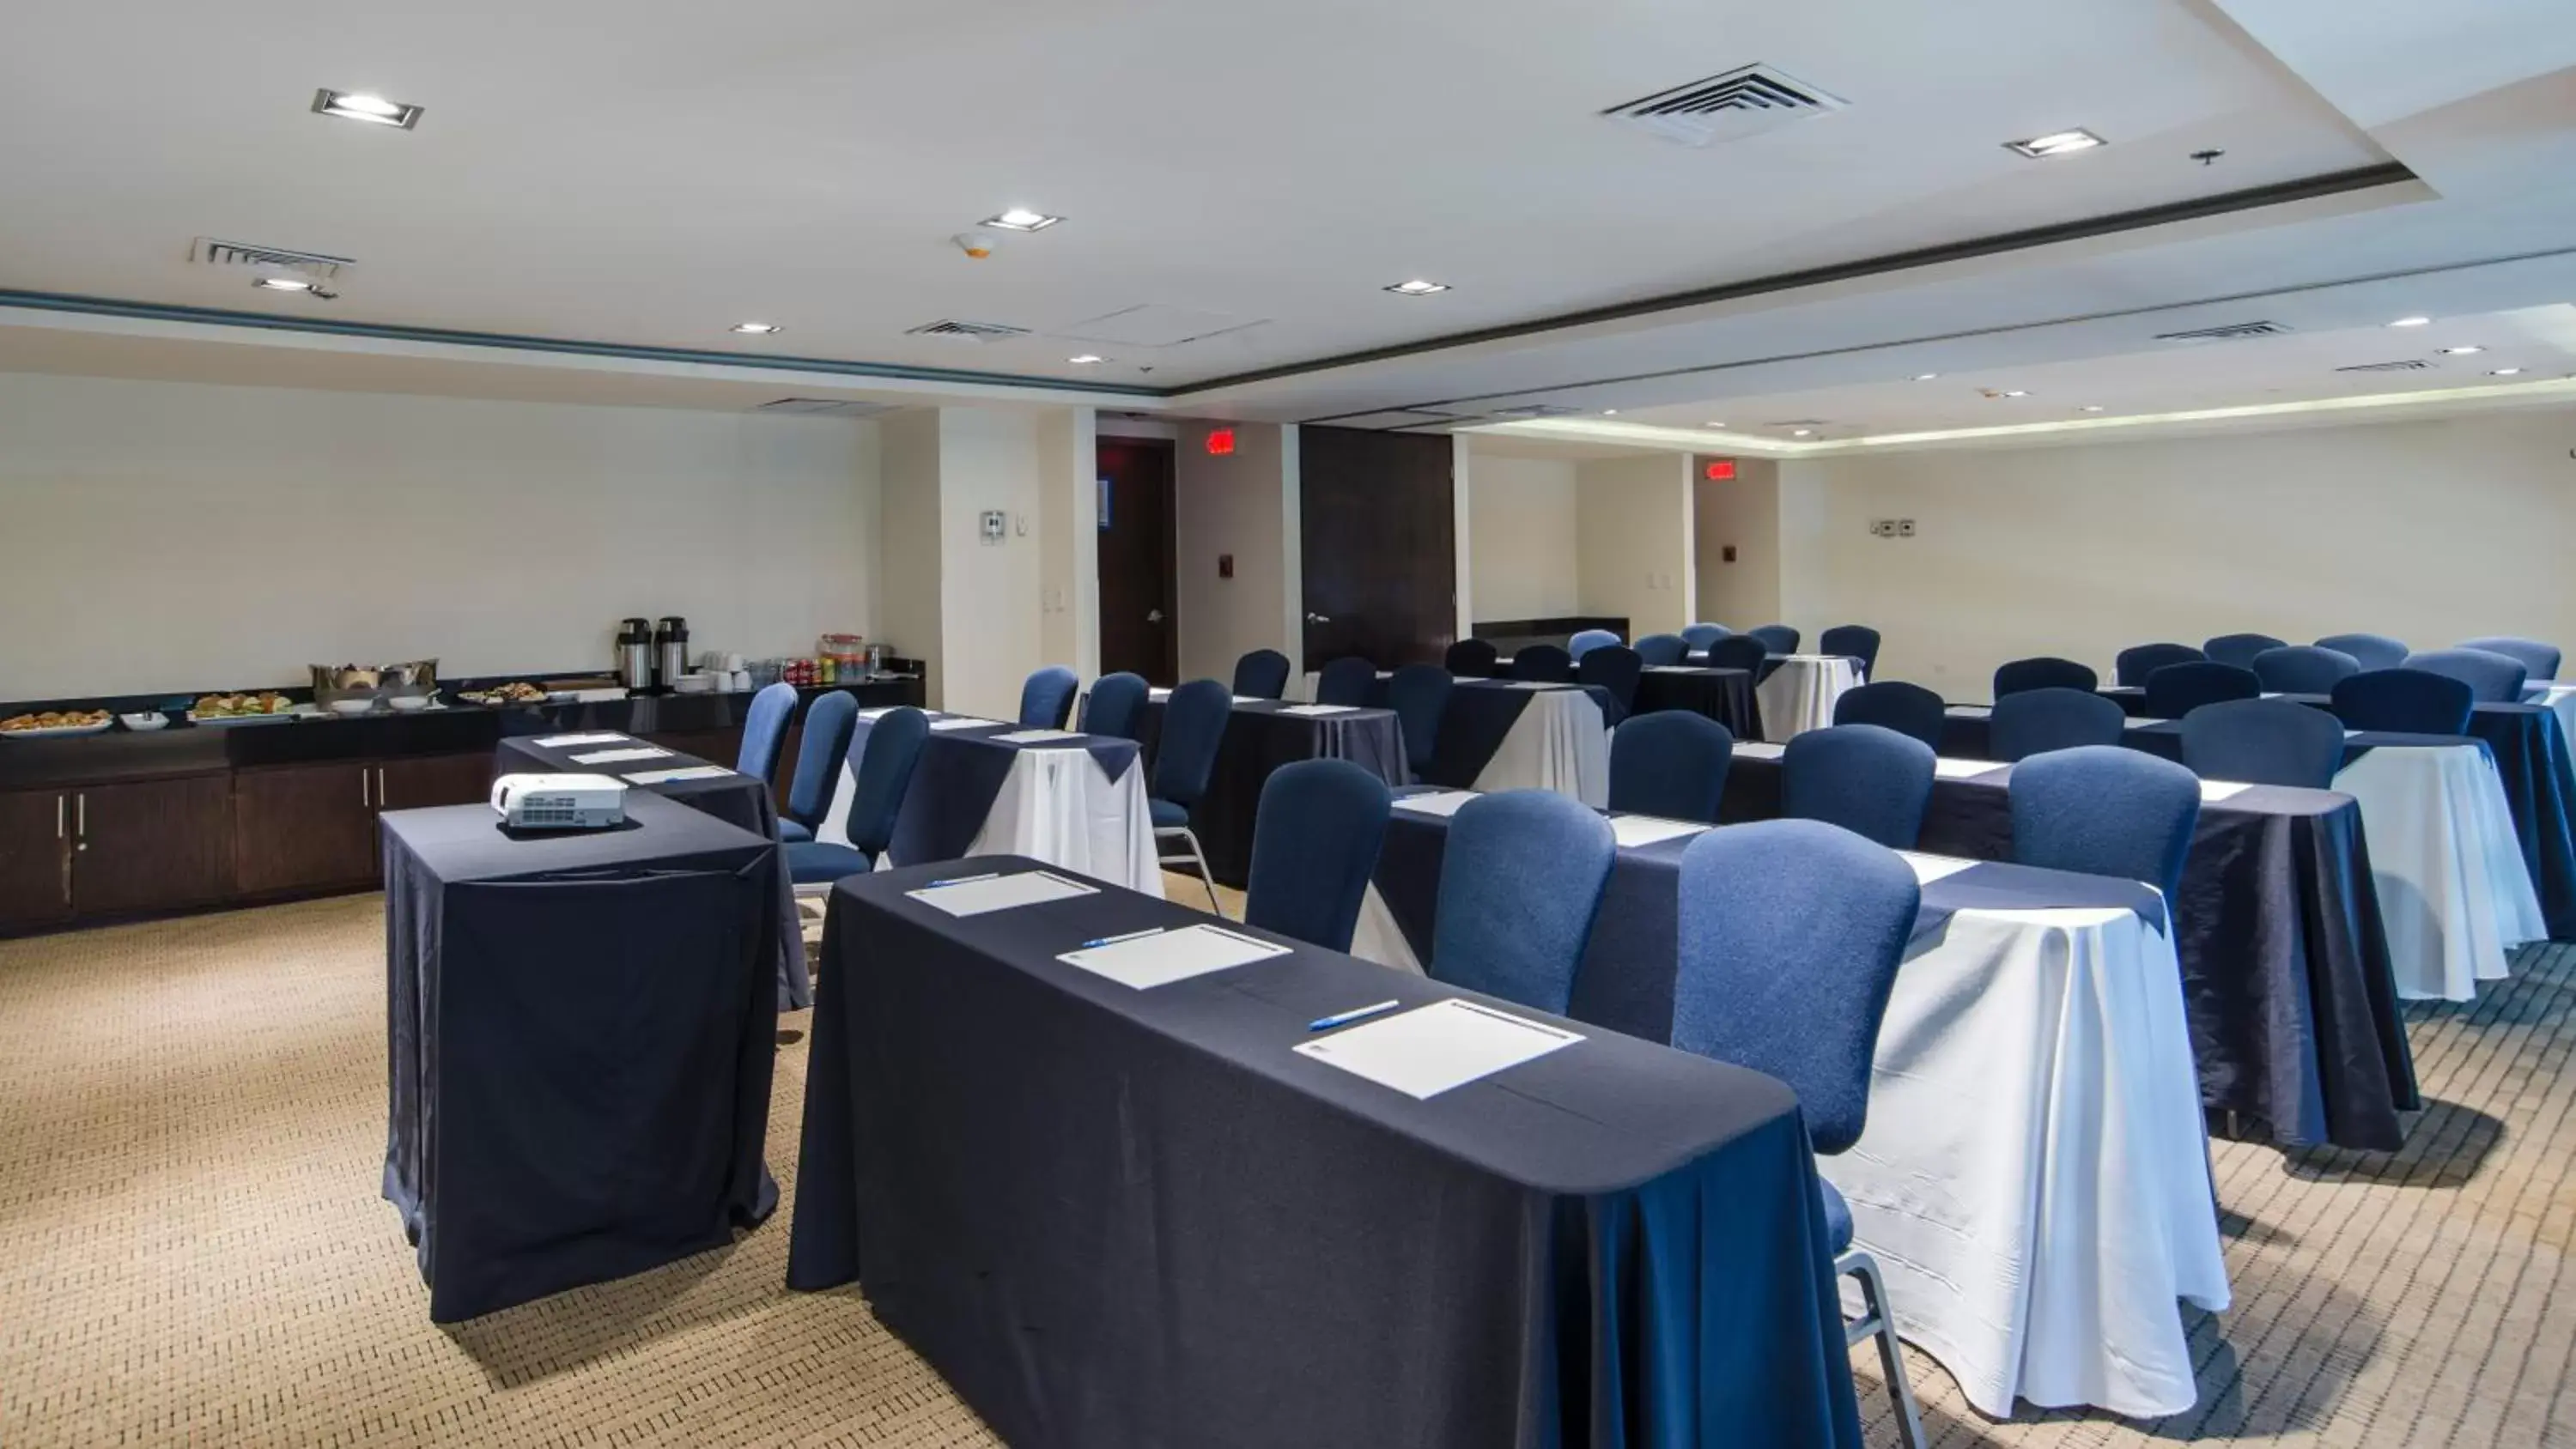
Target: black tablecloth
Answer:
pixel 735 799
pixel 1970 737
pixel 1724 695
pixel 959 775
pixel 1259 738
pixel 1479 715
pixel 2286 975
pixel 1121 1218
pixel 580 1030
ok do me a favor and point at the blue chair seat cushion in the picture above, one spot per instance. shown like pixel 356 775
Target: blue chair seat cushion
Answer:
pixel 1838 1222
pixel 1168 816
pixel 813 862
pixel 792 832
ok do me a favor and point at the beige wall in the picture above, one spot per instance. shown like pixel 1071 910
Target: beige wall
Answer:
pixel 1243 504
pixel 1634 541
pixel 1743 513
pixel 1521 549
pixel 1069 540
pixel 909 534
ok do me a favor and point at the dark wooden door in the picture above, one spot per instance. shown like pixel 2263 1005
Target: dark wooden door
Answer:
pixel 35 850
pixel 1138 628
pixel 427 780
pixel 1379 544
pixel 304 827
pixel 156 845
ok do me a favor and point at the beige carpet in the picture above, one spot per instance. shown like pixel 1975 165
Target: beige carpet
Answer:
pixel 192 1250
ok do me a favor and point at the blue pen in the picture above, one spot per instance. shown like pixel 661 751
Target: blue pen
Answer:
pixel 966 879
pixel 1130 936
pixel 1345 1018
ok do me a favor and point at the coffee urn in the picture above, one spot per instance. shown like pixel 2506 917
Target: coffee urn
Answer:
pixel 635 653
pixel 671 649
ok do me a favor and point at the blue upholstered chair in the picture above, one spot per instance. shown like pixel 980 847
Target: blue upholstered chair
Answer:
pixel 2263 742
pixel 1739 651
pixel 2020 676
pixel 2239 649
pixel 1662 650
pixel 763 729
pixel 1347 680
pixel 2374 651
pixel 1700 636
pixel 1790 933
pixel 829 722
pixel 2105 810
pixel 2135 663
pixel 2037 721
pixel 2178 689
pixel 1419 695
pixel 1855 641
pixel 1587 640
pixel 883 771
pixel 1046 700
pixel 1472 658
pixel 1315 839
pixel 2494 678
pixel 1670 763
pixel 1612 668
pixel 1776 638
pixel 1543 663
pixel 1873 782
pixel 1908 709
pixel 1194 721
pixel 1519 882
pixel 2539 661
pixel 2303 669
pixel 2407 701
pixel 1116 706
pixel 1261 674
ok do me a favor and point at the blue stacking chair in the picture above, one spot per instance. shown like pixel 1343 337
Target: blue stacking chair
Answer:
pixel 1908 709
pixel 2494 678
pixel 1739 651
pixel 2239 649
pixel 1261 674
pixel 883 772
pixel 1776 638
pixel 1194 721
pixel 1347 680
pixel 1116 706
pixel 1700 636
pixel 1315 838
pixel 1419 695
pixel 2178 689
pixel 1587 640
pixel 763 729
pixel 2375 651
pixel 2136 662
pixel 2105 810
pixel 2303 669
pixel 1046 700
pixel 1873 782
pixel 1543 663
pixel 1471 658
pixel 2020 676
pixel 1614 669
pixel 829 722
pixel 2263 742
pixel 1520 880
pixel 2539 661
pixel 1790 933
pixel 2036 721
pixel 1662 650
pixel 1855 641
pixel 1670 763
pixel 2407 701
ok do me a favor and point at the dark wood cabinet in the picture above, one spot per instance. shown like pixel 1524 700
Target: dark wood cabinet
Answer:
pixel 155 845
pixel 35 858
pixel 427 780
pixel 304 827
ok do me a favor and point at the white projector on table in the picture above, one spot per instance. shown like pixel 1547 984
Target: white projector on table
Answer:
pixel 559 802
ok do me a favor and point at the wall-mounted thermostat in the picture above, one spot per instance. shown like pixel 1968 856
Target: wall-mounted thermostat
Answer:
pixel 995 525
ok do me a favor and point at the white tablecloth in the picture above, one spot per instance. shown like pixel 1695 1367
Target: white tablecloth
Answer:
pixel 1800 694
pixel 2561 699
pixel 1560 743
pixel 2454 891
pixel 1057 806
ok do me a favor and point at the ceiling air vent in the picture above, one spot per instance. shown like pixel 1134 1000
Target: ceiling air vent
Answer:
pixel 956 331
pixel 1537 410
pixel 1742 102
pixel 2232 332
pixel 2411 364
pixel 825 407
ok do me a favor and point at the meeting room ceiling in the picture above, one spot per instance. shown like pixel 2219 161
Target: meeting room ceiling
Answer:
pixel 1240 185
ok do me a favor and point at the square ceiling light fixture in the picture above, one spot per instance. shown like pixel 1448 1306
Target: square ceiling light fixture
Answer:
pixel 1020 218
pixel 359 106
pixel 1418 287
pixel 2056 143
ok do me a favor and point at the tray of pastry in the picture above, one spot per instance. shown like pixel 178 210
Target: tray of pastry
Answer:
pixel 52 723
pixel 259 706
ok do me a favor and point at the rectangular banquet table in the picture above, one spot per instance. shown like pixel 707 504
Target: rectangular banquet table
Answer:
pixel 1114 1218
pixel 580 1026
pixel 1506 735
pixel 1260 736
pixel 1724 695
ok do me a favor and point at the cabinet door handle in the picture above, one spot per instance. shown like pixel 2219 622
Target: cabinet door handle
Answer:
pixel 62 813
pixel 363 801
pixel 80 823
pixel 384 800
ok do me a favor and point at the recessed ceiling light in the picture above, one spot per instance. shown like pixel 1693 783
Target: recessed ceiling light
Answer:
pixel 2090 408
pixel 1925 376
pixel 1086 359
pixel 1418 288
pixel 2056 143
pixel 1802 432
pixel 1712 425
pixel 2412 322
pixel 2506 372
pixel 2017 392
pixel 2461 351
pixel 756 329
pixel 359 106
pixel 1609 412
pixel 1020 218
pixel 284 284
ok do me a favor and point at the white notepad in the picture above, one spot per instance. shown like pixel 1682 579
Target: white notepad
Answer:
pixel 685 772
pixel 1168 956
pixel 1430 1049
pixel 1970 711
pixel 977 896
pixel 2213 791
pixel 2352 734
pixel 963 722
pixel 1538 684
pixel 1036 737
pixel 1248 699
pixel 1672 669
pixel 1158 692
pixel 878 713
pixel 1444 802
pixel 610 757
pixel 1647 829
pixel 1757 750
pixel 1929 868
pixel 558 742
pixel 1321 709
pixel 1963 769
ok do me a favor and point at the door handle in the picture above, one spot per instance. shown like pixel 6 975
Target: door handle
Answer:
pixel 80 823
pixel 1153 616
pixel 1315 618
pixel 363 801
pixel 384 799
pixel 62 815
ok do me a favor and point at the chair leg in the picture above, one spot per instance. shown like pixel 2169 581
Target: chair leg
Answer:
pixel 1876 1322
pixel 1195 859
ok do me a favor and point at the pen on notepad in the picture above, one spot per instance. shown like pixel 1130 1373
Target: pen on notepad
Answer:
pixel 1130 936
pixel 966 879
pixel 1345 1018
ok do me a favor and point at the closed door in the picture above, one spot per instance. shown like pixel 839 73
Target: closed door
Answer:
pixel 1138 632
pixel 1379 545
pixel 158 845
pixel 304 827
pixel 35 857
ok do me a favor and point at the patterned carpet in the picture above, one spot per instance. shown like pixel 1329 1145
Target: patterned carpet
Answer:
pixel 192 1250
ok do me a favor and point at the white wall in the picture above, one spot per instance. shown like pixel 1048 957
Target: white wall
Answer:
pixel 1069 539
pixel 1742 513
pixel 909 600
pixel 989 592
pixel 183 536
pixel 1635 541
pixel 1521 537
pixel 1244 504
pixel 2430 531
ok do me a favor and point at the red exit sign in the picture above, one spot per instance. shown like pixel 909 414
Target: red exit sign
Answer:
pixel 1220 442
pixel 1721 470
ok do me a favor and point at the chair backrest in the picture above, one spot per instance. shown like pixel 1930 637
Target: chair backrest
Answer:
pixel 2036 721
pixel 2132 665
pixel 1790 933
pixel 763 728
pixel 1261 674
pixel 1046 699
pixel 1700 636
pixel 1419 695
pixel 1473 658
pixel 1776 638
pixel 1519 882
pixel 2303 668
pixel 1315 838
pixel 2178 689
pixel 1873 782
pixel 1670 763
pixel 2539 661
pixel 883 771
pixel 1662 649
pixel 2240 649
pixel 2408 701
pixel 1587 640
pixel 1544 663
pixel 1194 721
pixel 2020 676
pixel 2496 678
pixel 1613 667
pixel 1738 651
pixel 1116 706
pixel 2263 742
pixel 1908 709
pixel 2105 810
pixel 829 722
pixel 1347 680
pixel 2375 651
pixel 1856 641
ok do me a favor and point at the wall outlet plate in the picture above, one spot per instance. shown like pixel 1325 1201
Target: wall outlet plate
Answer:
pixel 1905 528
pixel 995 525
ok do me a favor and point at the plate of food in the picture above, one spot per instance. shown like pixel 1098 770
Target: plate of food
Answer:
pixel 56 722
pixel 516 692
pixel 224 709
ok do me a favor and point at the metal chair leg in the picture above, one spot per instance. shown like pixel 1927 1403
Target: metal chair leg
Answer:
pixel 1195 858
pixel 1876 1322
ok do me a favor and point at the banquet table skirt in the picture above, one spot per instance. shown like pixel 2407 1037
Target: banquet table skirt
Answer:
pixel 1497 735
pixel 1724 695
pixel 1261 736
pixel 1059 803
pixel 1800 691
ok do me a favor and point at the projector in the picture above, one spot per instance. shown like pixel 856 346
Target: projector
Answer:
pixel 559 802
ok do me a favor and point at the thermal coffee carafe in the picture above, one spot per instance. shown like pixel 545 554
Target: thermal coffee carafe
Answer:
pixel 635 653
pixel 671 648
